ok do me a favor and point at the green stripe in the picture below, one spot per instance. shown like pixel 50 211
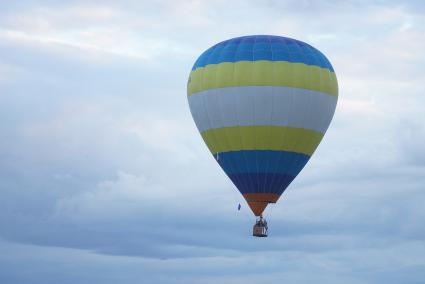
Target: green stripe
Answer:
pixel 263 73
pixel 276 138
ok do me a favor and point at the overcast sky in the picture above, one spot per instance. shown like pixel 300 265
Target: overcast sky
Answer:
pixel 104 177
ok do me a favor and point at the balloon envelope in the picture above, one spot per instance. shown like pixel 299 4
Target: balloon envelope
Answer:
pixel 262 105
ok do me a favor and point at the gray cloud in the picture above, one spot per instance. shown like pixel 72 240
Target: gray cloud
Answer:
pixel 104 177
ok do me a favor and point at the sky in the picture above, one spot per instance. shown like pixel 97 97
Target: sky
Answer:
pixel 104 177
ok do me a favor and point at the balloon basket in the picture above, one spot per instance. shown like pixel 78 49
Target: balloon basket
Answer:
pixel 260 228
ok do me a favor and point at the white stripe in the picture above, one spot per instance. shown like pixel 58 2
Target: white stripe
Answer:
pixel 262 105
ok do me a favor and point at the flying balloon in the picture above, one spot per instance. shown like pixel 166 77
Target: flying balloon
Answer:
pixel 262 105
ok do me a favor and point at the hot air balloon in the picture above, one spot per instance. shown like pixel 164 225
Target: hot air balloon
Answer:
pixel 262 105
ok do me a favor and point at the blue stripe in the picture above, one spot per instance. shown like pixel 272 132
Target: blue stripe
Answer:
pixel 258 171
pixel 262 161
pixel 261 47
pixel 261 182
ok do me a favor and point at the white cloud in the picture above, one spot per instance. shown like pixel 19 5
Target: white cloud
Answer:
pixel 99 153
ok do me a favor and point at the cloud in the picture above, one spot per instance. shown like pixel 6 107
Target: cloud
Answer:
pixel 289 266
pixel 104 176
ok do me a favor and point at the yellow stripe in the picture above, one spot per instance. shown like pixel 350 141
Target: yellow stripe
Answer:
pixel 277 138
pixel 263 73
